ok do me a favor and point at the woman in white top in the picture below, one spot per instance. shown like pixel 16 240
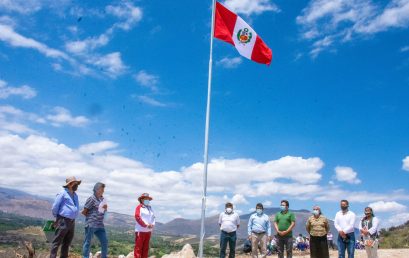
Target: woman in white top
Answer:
pixel 369 231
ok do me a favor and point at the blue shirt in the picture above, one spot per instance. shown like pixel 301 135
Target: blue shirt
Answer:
pixel 66 205
pixel 258 224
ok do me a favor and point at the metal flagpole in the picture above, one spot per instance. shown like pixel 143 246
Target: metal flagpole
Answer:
pixel 206 143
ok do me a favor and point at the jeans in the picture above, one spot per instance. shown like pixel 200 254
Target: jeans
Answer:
pixel 227 238
pixel 286 241
pixel 101 235
pixel 348 245
pixel 63 236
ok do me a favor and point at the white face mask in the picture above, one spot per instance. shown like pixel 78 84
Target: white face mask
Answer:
pixel 315 212
pixel 259 211
pixel 229 210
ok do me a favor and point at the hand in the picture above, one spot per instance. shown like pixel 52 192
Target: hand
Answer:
pixel 105 207
pixel 249 237
pixel 150 226
pixel 270 238
pixel 342 234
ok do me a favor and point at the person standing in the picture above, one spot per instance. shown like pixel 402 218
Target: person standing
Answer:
pixel 65 210
pixel 284 222
pixel 330 239
pixel 318 228
pixel 344 223
pixel 94 211
pixel 259 231
pixel 369 230
pixel 229 222
pixel 145 221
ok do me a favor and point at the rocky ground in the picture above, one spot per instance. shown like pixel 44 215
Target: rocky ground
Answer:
pixel 187 252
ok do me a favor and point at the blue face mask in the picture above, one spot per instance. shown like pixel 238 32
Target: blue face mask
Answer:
pixel 259 211
pixel 146 202
pixel 283 208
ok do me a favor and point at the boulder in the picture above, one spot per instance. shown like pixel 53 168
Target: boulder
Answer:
pixel 186 252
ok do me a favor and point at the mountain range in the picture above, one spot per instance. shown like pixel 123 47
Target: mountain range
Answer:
pixel 21 203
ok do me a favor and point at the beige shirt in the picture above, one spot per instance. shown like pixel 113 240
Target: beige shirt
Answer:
pixel 317 227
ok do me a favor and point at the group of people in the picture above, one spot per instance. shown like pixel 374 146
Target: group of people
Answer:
pixel 66 209
pixel 259 231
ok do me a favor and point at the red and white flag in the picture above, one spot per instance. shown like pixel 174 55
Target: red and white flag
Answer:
pixel 231 28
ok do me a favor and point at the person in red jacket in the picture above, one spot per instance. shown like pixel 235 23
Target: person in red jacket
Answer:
pixel 145 221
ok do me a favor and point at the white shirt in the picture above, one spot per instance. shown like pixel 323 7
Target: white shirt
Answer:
pixel 374 228
pixel 229 222
pixel 345 222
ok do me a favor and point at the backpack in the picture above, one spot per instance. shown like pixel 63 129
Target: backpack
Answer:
pixel 247 246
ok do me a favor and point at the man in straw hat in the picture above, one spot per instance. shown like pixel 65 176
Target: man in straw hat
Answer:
pixel 65 210
pixel 145 221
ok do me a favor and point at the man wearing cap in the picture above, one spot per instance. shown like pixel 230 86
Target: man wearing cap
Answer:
pixel 145 221
pixel 65 210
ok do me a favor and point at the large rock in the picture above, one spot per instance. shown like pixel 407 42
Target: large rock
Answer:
pixel 187 252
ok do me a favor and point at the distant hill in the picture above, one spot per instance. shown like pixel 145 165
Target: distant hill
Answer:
pixel 395 237
pixel 24 204
pixel 192 227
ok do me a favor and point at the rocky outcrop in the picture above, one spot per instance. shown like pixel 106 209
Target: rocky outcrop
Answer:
pixel 186 252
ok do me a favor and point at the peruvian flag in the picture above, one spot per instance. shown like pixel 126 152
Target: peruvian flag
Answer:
pixel 231 28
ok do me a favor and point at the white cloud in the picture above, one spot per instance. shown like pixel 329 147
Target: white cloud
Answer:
pixel 126 11
pixel 397 219
pixel 238 199
pixel 97 147
pixel 404 49
pixel 344 20
pixel 346 174
pixel 147 80
pixel 405 163
pixel 267 203
pixel 63 116
pixel 8 35
pixel 38 164
pixel 25 91
pixel 150 101
pixel 20 6
pixel 230 62
pixel 382 206
pixel 111 64
pixel 249 7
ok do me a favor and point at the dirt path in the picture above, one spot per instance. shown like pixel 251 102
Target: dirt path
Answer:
pixel 382 253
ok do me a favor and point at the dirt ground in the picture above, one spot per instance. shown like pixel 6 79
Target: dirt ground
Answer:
pixel 382 253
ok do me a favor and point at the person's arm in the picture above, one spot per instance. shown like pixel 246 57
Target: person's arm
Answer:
pixel 327 228
pixel 249 226
pixel 87 207
pixel 275 224
pixel 292 223
pixel 220 219
pixel 138 217
pixel 269 228
pixel 308 226
pixel 56 205
pixel 375 226
pixel 238 221
pixel 336 223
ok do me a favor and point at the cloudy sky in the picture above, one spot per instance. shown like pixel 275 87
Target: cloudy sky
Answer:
pixel 115 91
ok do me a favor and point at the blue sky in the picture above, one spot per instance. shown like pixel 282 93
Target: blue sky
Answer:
pixel 115 91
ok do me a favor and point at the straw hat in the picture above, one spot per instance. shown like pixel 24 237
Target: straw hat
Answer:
pixel 71 179
pixel 144 196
